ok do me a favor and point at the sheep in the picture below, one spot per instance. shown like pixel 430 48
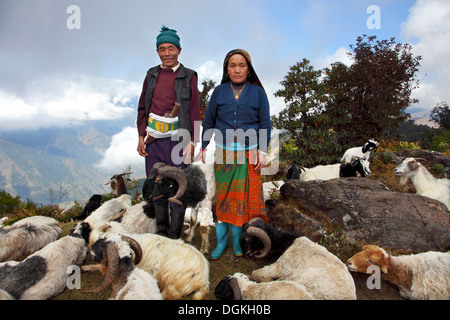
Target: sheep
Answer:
pixel 424 182
pixel 294 172
pixel 43 274
pixel 179 268
pixel 309 264
pixel 128 282
pixel 195 188
pixel 27 236
pixel 332 171
pixel 243 287
pixel 261 240
pixel 423 276
pixel 360 152
pixel 108 211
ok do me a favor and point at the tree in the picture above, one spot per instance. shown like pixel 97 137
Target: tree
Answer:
pixel 381 81
pixel 441 115
pixel 302 93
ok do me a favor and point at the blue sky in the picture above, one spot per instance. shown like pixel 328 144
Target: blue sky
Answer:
pixel 59 77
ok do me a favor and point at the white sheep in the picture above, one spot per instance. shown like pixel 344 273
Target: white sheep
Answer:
pixel 423 276
pixel 240 287
pixel 360 152
pixel 109 210
pixel 128 282
pixel 139 218
pixel 424 182
pixel 311 265
pixel 43 274
pixel 27 236
pixel 179 268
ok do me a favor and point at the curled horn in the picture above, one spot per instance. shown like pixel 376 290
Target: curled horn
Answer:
pixel 261 235
pixel 253 220
pixel 235 288
pixel 135 247
pixel 111 255
pixel 179 176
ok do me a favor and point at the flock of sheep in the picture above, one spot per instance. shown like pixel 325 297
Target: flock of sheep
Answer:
pixel 138 264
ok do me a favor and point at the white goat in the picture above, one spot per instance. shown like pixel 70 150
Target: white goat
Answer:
pixel 179 268
pixel 360 152
pixel 240 287
pixel 423 181
pixel 309 264
pixel 423 276
pixel 43 274
pixel 333 171
pixel 128 282
pixel 27 236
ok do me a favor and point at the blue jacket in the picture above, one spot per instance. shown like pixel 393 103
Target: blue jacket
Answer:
pixel 238 122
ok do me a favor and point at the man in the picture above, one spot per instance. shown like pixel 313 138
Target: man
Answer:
pixel 164 86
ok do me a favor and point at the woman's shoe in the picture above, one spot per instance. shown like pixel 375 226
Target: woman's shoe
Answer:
pixel 222 240
pixel 236 233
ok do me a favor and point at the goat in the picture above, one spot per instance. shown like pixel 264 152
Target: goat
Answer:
pixel 120 272
pixel 261 240
pixel 311 265
pixel 418 276
pixel 43 274
pixel 93 204
pixel 360 152
pixel 27 236
pixel 110 210
pixel 294 172
pixel 179 268
pixel 118 183
pixel 242 287
pixel 332 171
pixel 192 187
pixel 423 181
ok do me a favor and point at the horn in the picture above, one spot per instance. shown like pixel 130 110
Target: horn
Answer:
pixel 235 288
pixel 119 215
pixel 253 220
pixel 135 247
pixel 261 235
pixel 180 177
pixel 112 258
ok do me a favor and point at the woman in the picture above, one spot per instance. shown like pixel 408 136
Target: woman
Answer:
pixel 239 116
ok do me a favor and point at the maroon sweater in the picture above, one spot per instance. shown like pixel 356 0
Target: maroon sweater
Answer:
pixel 163 100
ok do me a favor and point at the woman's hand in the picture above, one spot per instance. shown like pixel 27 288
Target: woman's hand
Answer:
pixel 262 161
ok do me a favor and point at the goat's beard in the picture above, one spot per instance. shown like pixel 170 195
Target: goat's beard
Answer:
pixel 403 180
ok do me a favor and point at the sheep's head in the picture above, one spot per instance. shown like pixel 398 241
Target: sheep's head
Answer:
pixel 118 183
pixel 370 256
pixel 110 252
pixel 407 169
pixel 255 241
pixel 362 165
pixel 370 145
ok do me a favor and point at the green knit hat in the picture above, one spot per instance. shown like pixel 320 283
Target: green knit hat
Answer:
pixel 167 35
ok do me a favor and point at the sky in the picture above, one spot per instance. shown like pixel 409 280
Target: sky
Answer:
pixel 69 62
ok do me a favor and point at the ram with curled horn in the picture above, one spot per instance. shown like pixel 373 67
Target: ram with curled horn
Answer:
pixel 262 241
pixel 127 281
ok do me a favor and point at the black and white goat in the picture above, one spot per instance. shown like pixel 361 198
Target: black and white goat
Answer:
pixel 192 187
pixel 119 269
pixel 43 274
pixel 333 171
pixel 360 152
pixel 261 240
pixel 27 236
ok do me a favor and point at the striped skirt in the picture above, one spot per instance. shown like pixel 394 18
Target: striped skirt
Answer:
pixel 239 188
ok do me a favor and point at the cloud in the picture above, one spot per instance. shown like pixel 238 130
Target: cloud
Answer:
pixel 427 29
pixel 61 102
pixel 122 152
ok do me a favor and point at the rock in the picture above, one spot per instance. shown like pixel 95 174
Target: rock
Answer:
pixel 366 210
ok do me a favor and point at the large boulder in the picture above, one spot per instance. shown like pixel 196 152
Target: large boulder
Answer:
pixel 366 210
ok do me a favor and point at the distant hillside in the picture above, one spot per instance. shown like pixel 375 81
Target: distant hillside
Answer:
pixel 33 162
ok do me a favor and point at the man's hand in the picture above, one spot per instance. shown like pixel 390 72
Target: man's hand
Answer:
pixel 141 147
pixel 189 153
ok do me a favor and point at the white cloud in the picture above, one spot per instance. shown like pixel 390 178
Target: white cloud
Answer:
pixel 427 29
pixel 123 152
pixel 54 101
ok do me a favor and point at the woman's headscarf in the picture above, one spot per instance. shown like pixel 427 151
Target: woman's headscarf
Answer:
pixel 253 78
